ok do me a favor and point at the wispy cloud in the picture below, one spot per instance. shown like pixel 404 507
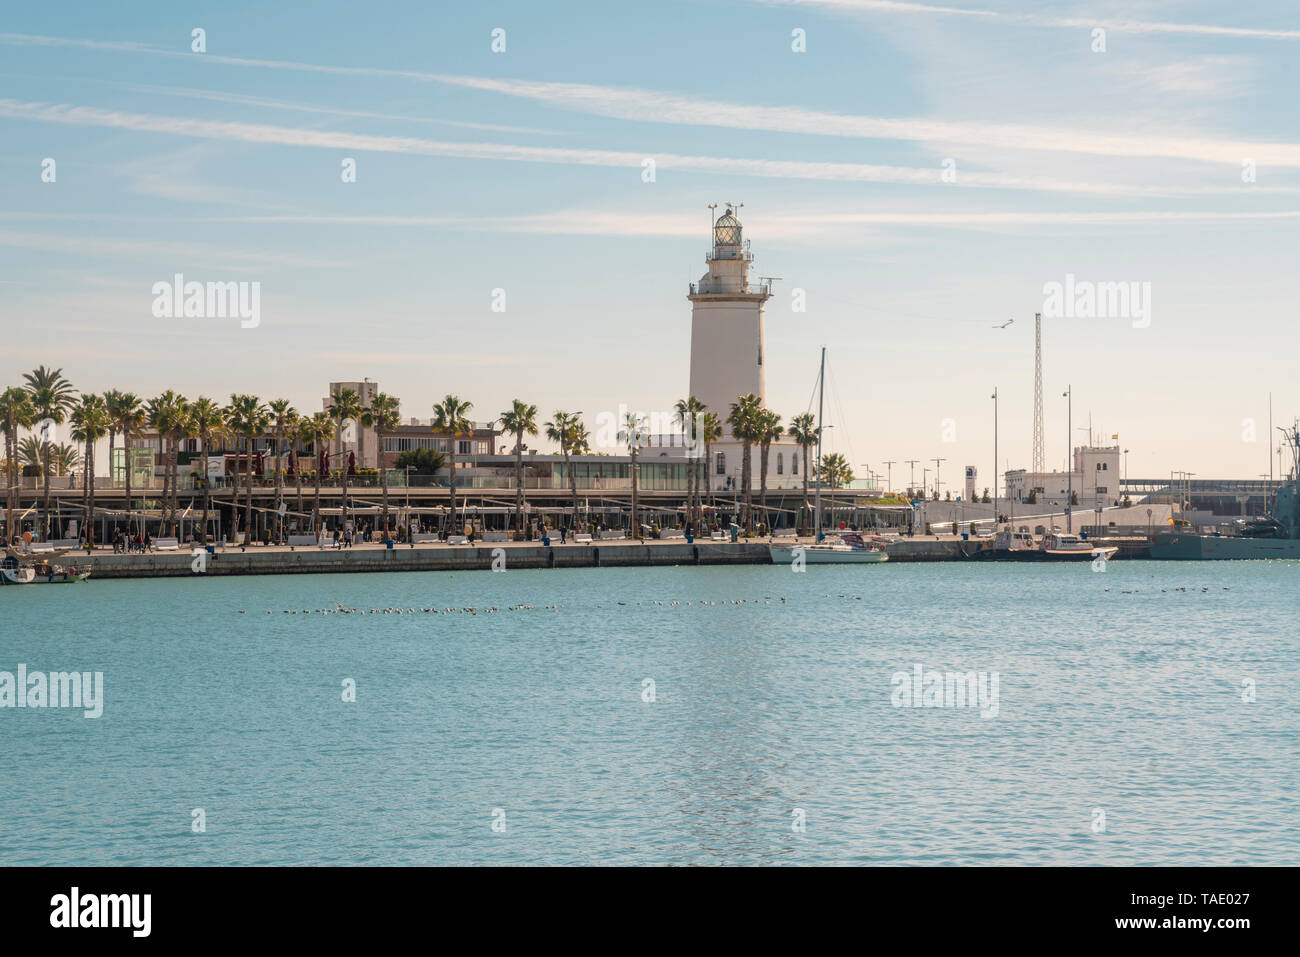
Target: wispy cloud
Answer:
pixel 160 251
pixel 647 106
pixel 784 169
pixel 1119 25
pixel 243 99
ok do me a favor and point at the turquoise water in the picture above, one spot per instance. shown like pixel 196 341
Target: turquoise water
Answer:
pixel 1116 691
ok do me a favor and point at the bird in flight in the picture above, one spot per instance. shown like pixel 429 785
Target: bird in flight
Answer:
pixel 1005 324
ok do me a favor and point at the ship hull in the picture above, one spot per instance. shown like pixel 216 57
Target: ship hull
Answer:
pixel 1180 546
pixel 816 556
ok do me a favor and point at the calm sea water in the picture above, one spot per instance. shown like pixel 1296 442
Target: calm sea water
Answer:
pixel 1117 691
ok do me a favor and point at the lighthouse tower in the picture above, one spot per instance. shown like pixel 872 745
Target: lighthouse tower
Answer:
pixel 727 322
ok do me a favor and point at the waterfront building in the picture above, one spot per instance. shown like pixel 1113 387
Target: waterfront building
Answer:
pixel 1095 480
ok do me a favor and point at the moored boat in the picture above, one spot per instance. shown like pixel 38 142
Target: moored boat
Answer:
pixel 40 572
pixel 851 549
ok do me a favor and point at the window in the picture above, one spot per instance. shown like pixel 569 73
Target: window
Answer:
pixel 780 463
pixel 794 464
pixel 722 463
pixel 464 447
pixel 1101 490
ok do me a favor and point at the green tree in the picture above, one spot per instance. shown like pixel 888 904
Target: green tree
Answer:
pixel 16 412
pixel 383 415
pixel 52 398
pixel 803 429
pixel 633 436
pixel 207 421
pixel 520 420
pixel 769 430
pixel 688 413
pixel 450 416
pixel 128 415
pixel 247 418
pixel 746 426
pixel 345 406
pixel 90 423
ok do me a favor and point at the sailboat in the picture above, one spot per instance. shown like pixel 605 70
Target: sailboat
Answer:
pixel 845 549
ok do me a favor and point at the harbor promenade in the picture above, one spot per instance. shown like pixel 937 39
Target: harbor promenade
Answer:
pixel 283 560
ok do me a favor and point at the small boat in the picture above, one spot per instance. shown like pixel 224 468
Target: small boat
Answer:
pixel 851 549
pixel 1056 546
pixel 1065 547
pixel 14 572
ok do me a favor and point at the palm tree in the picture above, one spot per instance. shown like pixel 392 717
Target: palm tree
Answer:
pixel 208 420
pixel 16 412
pixel 632 435
pixel 281 411
pixel 32 452
pixel 52 397
pixel 803 429
pixel 564 428
pixel 745 426
pixel 769 431
pixel 835 470
pixel 711 432
pixel 384 414
pixel 163 415
pixel 687 413
pixel 63 457
pixel 316 429
pixel 449 416
pixel 90 423
pixel 127 414
pixel 345 406
pixel 247 417
pixel 520 418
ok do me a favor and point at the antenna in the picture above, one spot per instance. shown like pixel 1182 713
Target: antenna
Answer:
pixel 712 215
pixel 1038 393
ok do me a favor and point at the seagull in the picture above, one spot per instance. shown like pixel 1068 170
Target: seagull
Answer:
pixel 1005 324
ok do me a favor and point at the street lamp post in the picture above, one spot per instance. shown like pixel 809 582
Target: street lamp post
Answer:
pixel 1069 455
pixel 995 458
pixel 889 475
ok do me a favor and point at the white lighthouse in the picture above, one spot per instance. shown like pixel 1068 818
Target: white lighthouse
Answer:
pixel 727 322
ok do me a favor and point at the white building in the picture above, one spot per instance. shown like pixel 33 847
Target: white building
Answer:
pixel 727 355
pixel 1095 480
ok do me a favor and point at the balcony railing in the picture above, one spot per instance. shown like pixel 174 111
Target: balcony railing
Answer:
pixel 734 289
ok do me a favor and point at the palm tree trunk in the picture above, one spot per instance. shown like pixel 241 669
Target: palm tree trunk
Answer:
pixel 90 477
pixel 279 485
pixel 451 463
pixel 573 484
pixel 762 483
pixel 207 491
pixel 126 452
pixel 803 516
pixel 248 490
pixel 636 527
pixel 383 480
pixel 747 483
pixel 45 477
pixel 519 480
pixel 297 477
pixel 315 518
pixel 85 493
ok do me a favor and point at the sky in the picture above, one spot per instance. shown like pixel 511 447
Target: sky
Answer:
pixel 915 174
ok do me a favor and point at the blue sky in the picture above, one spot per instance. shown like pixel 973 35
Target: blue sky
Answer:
pixel 521 170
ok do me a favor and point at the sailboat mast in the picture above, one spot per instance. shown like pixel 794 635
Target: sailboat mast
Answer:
pixel 821 395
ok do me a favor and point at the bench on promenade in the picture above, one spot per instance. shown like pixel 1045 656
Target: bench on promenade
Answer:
pixel 37 548
pixel 166 544
pixel 61 544
pixel 496 537
pixel 718 536
pixel 785 533
pixel 456 539
pixel 419 537
pixel 671 533
pixel 608 535
pixel 305 540
pixel 582 539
